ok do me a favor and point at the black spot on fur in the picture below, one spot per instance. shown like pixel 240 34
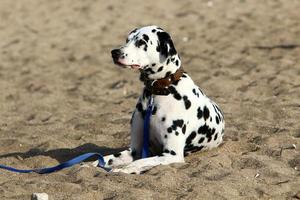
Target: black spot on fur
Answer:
pixel 166 46
pixel 199 113
pixel 153 30
pixel 153 64
pixel 139 107
pixel 133 153
pixel 166 136
pixel 201 140
pixel 154 110
pixel 194 91
pixel 146 37
pixel 200 91
pixel 193 148
pixel 117 155
pixel 217 119
pixel 149 70
pixel 175 93
pixel 213 130
pixel 205 113
pixel 184 129
pixel 217 108
pixel 216 111
pixel 158 47
pixel 169 130
pixel 187 149
pixel 209 139
pixel 216 136
pixel 110 162
pixel 133 31
pixel 176 133
pixel 177 123
pixel 168 61
pixel 184 76
pixel 198 149
pixel 177 96
pixel 188 146
pixel 177 63
pixel 166 151
pixel 190 138
pixel 168 74
pixel 139 43
pixel 187 102
pixel 163 119
pixel 172 153
pixel 160 69
pixel 205 130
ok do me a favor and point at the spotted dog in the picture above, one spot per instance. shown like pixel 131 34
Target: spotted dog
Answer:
pixel 184 119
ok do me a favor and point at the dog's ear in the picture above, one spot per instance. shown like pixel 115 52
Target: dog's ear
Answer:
pixel 166 46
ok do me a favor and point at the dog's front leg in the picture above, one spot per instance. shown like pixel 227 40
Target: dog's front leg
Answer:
pixel 145 164
pixel 118 159
pixel 173 153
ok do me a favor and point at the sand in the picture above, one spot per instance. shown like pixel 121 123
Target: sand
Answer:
pixel 62 96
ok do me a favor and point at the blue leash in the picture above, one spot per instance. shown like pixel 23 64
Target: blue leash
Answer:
pixel 146 133
pixel 69 163
pixel 79 159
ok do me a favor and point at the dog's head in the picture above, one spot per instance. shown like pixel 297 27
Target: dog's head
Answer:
pixel 148 47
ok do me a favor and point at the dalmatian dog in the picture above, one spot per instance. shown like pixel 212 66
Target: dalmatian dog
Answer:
pixel 183 119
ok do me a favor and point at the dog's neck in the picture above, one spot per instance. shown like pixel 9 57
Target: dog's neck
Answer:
pixel 157 82
pixel 161 70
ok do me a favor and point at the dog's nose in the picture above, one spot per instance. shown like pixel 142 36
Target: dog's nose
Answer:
pixel 116 53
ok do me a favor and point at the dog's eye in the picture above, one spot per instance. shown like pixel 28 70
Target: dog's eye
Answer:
pixel 139 43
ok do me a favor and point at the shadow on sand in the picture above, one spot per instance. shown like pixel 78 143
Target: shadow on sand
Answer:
pixel 62 155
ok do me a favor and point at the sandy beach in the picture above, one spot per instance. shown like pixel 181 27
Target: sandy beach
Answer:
pixel 62 96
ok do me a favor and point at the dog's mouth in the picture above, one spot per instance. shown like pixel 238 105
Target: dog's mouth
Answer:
pixel 132 66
